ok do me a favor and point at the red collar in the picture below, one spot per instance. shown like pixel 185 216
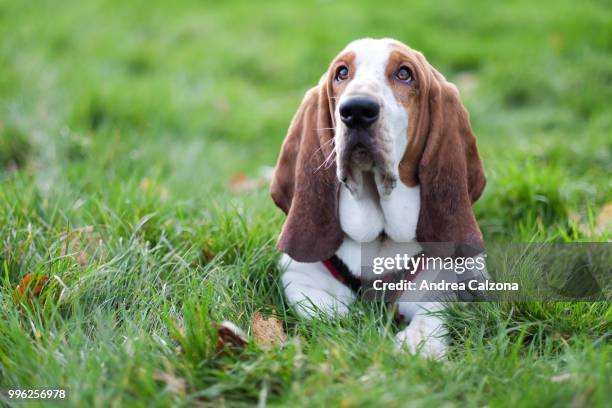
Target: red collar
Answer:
pixel 342 273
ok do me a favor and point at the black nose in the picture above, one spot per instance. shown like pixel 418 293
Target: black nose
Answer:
pixel 359 112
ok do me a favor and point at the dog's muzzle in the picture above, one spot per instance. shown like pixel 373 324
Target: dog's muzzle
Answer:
pixel 359 147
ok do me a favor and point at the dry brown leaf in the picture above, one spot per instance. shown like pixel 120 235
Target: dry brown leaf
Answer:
pixel 604 219
pixel 30 286
pixel 268 331
pixel 230 335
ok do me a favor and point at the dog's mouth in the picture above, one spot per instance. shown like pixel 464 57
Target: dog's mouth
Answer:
pixel 361 157
pixel 360 151
pixel 361 154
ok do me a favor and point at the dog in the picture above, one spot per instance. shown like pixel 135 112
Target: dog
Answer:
pixel 380 152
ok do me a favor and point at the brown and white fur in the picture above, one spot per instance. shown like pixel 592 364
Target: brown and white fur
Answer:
pixel 412 175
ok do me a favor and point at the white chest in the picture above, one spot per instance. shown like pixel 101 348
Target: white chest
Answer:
pixel 397 214
pixel 364 219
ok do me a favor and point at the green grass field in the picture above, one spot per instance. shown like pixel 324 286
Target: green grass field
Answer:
pixel 125 128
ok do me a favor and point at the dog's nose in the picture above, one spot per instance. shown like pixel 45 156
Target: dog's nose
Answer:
pixel 359 112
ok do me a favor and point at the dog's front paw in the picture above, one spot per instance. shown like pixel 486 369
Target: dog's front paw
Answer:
pixel 311 289
pixel 415 341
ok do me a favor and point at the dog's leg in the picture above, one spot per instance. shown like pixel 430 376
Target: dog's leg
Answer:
pixel 310 288
pixel 426 333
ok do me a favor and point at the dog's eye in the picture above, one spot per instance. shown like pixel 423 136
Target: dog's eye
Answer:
pixel 342 73
pixel 404 74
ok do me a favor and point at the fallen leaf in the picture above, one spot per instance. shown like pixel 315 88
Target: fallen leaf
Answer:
pixel 268 331
pixel 30 286
pixel 230 335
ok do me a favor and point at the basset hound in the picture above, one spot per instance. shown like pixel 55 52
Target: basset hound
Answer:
pixel 380 151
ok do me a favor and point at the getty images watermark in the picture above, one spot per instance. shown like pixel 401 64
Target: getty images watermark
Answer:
pixel 422 263
pixel 496 272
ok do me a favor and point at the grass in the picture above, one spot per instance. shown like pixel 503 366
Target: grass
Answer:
pixel 122 126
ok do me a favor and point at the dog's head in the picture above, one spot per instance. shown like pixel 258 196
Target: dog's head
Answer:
pixel 380 107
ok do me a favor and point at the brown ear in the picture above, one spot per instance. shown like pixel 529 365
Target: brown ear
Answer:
pixel 450 172
pixel 304 184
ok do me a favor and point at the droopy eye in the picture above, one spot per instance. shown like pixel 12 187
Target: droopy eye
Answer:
pixel 404 74
pixel 342 73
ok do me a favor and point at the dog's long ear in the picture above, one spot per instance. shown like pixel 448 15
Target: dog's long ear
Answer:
pixel 450 172
pixel 304 184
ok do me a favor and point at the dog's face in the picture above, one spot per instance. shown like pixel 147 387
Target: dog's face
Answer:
pixel 375 87
pixel 384 111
